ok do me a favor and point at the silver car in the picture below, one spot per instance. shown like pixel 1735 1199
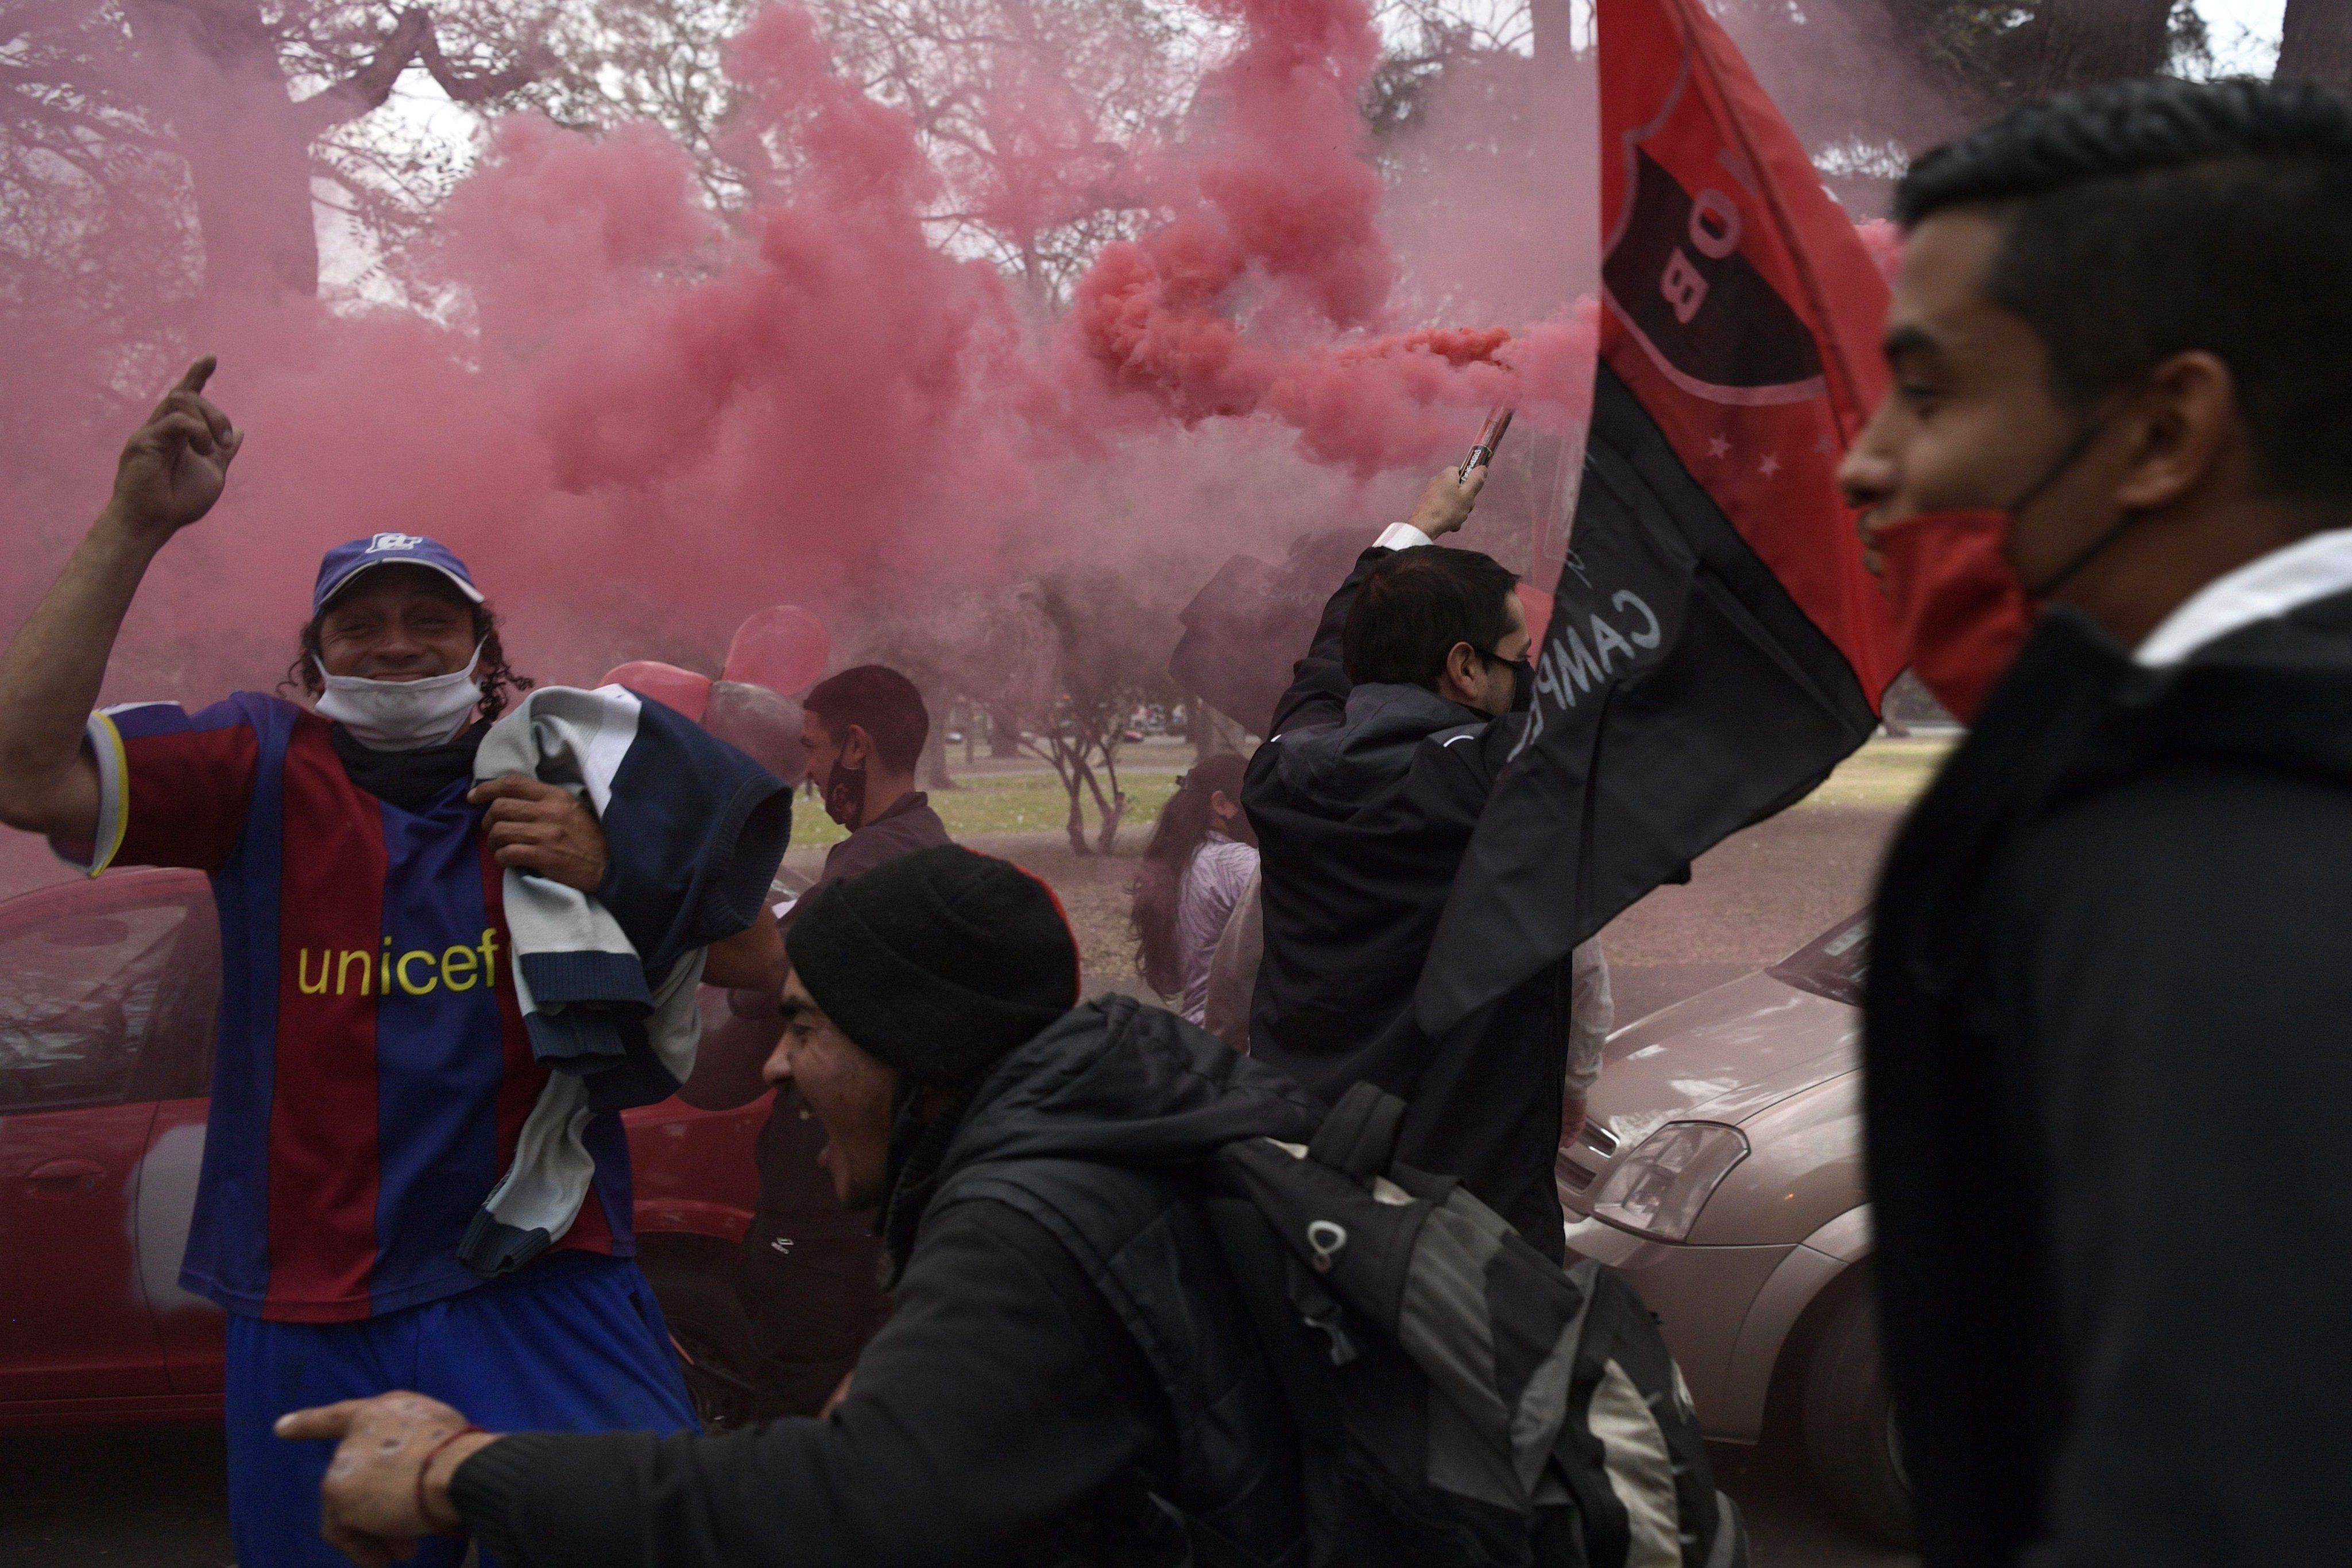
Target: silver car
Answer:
pixel 1721 1172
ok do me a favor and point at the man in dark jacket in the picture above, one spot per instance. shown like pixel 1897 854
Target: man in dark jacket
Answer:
pixel 2109 1019
pixel 807 1271
pixel 1383 752
pixel 1069 1375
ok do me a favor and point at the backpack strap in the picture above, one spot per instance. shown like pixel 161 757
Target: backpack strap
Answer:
pixel 1360 1136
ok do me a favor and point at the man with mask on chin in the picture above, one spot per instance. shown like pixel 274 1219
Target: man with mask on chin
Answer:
pixel 2109 1014
pixel 1382 755
pixel 372 1070
pixel 808 1273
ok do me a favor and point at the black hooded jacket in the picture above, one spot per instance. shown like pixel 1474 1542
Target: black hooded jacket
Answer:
pixel 1065 1346
pixel 2109 1079
pixel 1364 800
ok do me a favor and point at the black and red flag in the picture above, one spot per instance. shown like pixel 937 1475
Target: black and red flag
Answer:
pixel 1716 646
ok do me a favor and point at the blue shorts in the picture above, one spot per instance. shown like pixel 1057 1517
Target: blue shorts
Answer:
pixel 573 1343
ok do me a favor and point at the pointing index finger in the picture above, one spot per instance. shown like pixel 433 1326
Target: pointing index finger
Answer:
pixel 198 374
pixel 319 1420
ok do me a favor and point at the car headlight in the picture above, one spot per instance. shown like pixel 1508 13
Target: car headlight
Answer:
pixel 1659 1189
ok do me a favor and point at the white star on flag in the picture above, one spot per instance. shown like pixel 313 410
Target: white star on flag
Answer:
pixel 1770 466
pixel 1718 447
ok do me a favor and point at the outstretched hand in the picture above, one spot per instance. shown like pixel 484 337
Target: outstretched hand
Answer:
pixel 388 1484
pixel 173 467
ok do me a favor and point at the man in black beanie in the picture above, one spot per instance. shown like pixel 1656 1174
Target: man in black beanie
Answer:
pixel 1069 1375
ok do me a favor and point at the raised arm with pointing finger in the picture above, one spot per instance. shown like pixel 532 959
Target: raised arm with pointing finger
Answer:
pixel 170 473
pixel 373 1070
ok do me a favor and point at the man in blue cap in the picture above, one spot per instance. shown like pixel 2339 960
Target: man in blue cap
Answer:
pixel 373 1070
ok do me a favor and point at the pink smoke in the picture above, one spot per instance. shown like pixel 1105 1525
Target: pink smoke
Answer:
pixel 1266 293
pixel 640 425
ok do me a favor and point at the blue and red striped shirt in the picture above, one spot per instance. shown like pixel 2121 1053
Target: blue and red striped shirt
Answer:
pixel 372 1069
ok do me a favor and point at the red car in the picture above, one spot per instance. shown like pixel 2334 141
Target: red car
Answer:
pixel 109 992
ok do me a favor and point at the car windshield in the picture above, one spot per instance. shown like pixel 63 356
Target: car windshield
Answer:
pixel 1833 964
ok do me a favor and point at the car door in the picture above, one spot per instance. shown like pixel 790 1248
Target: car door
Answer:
pixel 89 974
pixel 176 1071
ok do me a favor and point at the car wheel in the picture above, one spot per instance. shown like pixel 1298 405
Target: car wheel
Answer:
pixel 707 1328
pixel 1848 1421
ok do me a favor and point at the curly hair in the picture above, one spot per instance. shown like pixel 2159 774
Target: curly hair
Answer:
pixel 497 678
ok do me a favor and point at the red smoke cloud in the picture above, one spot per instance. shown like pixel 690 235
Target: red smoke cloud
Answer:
pixel 639 424
pixel 1284 204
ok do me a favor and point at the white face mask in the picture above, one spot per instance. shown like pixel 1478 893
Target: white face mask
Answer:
pixel 401 716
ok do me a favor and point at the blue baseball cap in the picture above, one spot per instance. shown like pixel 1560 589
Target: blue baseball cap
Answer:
pixel 345 562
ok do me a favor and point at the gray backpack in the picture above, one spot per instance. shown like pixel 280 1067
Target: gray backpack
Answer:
pixel 1461 1398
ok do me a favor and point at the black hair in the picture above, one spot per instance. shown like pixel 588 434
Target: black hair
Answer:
pixel 491 672
pixel 1159 886
pixel 1411 609
pixel 2149 218
pixel 879 701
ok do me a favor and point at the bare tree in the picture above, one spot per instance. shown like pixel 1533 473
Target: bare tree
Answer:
pixel 213 85
pixel 1107 663
pixel 1031 110
pixel 1061 661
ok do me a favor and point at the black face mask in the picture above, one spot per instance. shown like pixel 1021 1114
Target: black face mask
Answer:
pixel 1523 686
pixel 845 795
pixel 1523 679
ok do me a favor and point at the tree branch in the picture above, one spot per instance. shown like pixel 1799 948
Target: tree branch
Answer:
pixel 366 88
pixel 476 88
pixel 410 39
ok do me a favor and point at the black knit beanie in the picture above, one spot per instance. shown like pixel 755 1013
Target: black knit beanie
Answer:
pixel 938 962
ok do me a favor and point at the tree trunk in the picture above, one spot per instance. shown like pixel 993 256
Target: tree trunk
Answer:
pixel 1211 731
pixel 213 72
pixel 1067 766
pixel 1113 809
pixel 2074 44
pixel 2316 44
pixel 1566 122
pixel 935 746
pixel 213 68
pixel 1003 736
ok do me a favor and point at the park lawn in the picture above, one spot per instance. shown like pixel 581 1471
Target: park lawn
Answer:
pixel 1882 773
pixel 1885 772
pixel 1008 803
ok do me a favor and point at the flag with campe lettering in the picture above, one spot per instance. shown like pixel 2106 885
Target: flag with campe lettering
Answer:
pixel 1715 646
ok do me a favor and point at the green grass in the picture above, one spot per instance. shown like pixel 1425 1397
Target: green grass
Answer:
pixel 1009 803
pixel 1883 773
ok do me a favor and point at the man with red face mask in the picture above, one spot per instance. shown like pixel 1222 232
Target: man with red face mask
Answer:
pixel 2109 1019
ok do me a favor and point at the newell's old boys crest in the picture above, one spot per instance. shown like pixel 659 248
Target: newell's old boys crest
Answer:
pixel 1677 283
pixel 1715 646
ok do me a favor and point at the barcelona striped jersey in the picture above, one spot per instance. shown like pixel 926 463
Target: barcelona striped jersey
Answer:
pixel 372 1069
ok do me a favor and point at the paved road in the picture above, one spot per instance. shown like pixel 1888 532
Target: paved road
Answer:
pixel 125 1500
pixel 152 1499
